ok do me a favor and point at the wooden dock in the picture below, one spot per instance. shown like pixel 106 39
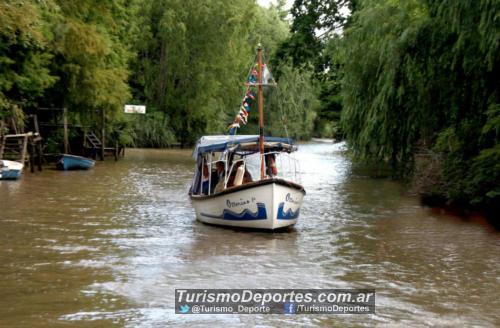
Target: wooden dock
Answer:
pixel 23 148
pixel 96 146
pixel 14 147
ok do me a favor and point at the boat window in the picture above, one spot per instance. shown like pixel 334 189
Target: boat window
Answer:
pixel 217 171
pixel 286 166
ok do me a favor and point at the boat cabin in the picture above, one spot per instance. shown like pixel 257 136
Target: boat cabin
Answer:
pixel 224 162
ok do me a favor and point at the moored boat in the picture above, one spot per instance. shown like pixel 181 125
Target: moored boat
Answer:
pixel 73 162
pixel 10 170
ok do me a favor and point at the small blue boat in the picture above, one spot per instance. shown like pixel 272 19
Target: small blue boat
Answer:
pixel 72 162
pixel 10 170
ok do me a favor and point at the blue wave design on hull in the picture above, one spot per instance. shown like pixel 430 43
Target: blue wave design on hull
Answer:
pixel 246 215
pixel 288 215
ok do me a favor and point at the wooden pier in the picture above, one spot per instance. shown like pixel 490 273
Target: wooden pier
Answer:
pixel 23 148
pixel 95 146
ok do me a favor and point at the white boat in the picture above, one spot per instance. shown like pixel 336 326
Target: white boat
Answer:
pixel 10 170
pixel 244 181
pixel 270 203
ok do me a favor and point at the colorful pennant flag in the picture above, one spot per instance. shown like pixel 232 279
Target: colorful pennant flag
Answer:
pixel 243 119
pixel 252 79
pixel 267 77
pixel 250 94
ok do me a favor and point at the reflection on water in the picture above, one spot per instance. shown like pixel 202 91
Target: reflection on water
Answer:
pixel 110 245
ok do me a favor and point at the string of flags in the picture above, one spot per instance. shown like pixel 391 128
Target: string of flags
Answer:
pixel 249 98
pixel 245 107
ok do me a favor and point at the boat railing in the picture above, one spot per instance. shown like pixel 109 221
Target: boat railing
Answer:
pixel 288 167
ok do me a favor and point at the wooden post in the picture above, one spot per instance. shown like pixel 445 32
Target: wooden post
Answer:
pixel 14 126
pixel 103 134
pixel 32 156
pixel 38 140
pixel 24 149
pixel 261 114
pixel 1 138
pixel 39 155
pixel 65 123
pixel 35 123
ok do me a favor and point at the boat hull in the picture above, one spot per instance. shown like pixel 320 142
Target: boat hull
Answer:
pixel 10 170
pixel 71 162
pixel 268 205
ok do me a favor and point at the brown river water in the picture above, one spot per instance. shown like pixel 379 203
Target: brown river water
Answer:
pixel 107 247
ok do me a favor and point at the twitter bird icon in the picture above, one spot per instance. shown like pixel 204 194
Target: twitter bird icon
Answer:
pixel 184 308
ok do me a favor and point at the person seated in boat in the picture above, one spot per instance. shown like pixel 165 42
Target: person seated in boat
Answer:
pixel 271 169
pixel 247 177
pixel 220 170
pixel 205 180
pixel 216 177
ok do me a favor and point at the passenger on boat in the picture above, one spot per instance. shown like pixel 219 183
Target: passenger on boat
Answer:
pixel 221 172
pixel 205 180
pixel 216 177
pixel 247 177
pixel 272 170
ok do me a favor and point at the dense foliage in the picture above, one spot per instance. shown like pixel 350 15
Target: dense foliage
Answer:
pixel 416 80
pixel 71 54
pixel 420 81
pixel 312 49
pixel 24 73
pixel 185 60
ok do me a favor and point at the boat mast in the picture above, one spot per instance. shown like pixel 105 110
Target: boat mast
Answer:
pixel 261 112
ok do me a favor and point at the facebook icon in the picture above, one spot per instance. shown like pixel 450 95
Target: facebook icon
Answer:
pixel 290 308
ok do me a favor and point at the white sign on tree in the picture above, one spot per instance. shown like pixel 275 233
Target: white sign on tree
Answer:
pixel 135 109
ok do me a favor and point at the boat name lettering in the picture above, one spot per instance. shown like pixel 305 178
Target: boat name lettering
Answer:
pixel 290 199
pixel 237 203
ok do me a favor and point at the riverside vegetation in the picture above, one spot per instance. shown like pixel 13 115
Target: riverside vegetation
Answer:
pixel 412 84
pixel 421 91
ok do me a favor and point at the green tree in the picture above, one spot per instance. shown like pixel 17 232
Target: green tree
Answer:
pixel 312 46
pixel 269 28
pixel 191 62
pixel 90 55
pixel 312 20
pixel 24 60
pixel 423 75
pixel 292 104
